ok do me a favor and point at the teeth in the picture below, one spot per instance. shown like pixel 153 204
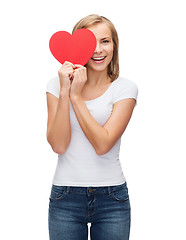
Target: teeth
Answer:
pixel 100 58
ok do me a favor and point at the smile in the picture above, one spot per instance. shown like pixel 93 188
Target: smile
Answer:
pixel 98 59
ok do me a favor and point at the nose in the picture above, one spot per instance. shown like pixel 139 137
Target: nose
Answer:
pixel 98 48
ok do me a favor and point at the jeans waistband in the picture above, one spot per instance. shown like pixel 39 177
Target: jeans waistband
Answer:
pixel 92 190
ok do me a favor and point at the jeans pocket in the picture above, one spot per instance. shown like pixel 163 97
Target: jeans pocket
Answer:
pixel 121 194
pixel 58 193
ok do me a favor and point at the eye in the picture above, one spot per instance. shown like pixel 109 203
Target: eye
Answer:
pixel 105 41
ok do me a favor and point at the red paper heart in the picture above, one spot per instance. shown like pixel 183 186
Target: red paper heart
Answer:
pixel 77 48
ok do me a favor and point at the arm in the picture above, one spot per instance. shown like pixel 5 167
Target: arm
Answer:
pixel 58 126
pixel 103 138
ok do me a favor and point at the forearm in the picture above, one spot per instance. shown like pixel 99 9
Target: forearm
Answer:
pixel 96 134
pixel 60 131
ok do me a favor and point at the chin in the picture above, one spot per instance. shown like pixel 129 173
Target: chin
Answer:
pixel 97 67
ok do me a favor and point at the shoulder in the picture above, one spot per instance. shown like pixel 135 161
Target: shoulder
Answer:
pixel 124 88
pixel 124 83
pixel 53 86
pixel 54 81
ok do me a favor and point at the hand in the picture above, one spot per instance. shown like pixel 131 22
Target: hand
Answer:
pixel 66 74
pixel 79 80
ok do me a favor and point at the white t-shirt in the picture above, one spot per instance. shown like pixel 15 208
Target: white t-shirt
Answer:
pixel 80 165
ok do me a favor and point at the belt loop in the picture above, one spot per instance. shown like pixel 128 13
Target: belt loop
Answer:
pixel 109 190
pixel 68 189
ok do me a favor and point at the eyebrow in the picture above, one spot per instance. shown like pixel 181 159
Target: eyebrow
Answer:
pixel 105 38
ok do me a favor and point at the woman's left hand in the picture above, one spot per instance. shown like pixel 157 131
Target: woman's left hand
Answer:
pixel 79 80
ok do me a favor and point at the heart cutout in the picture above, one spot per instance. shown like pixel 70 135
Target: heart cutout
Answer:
pixel 77 48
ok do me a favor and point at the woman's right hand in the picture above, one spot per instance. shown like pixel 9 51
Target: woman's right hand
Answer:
pixel 65 75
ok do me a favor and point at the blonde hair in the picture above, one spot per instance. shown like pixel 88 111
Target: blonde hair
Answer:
pixel 93 19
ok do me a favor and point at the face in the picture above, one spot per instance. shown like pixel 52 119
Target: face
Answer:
pixel 104 50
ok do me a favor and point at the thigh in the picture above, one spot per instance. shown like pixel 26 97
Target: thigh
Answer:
pixel 113 216
pixel 62 224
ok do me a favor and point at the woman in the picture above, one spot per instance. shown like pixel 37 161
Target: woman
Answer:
pixel 89 108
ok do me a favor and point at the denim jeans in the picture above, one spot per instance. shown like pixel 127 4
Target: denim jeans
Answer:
pixel 106 208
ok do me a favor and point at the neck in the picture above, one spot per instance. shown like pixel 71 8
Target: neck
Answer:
pixel 96 79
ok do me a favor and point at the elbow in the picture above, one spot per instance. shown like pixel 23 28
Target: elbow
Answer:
pixel 58 150
pixel 101 151
pixel 105 148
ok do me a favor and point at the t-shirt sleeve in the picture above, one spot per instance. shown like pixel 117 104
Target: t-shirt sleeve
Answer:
pixel 53 86
pixel 125 88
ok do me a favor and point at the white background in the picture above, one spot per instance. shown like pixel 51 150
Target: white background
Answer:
pixel 152 54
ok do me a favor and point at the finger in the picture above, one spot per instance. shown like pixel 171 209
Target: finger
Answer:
pixel 79 66
pixel 70 74
pixel 68 63
pixel 71 78
pixel 67 69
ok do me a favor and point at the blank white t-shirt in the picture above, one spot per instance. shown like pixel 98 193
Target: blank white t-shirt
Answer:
pixel 80 165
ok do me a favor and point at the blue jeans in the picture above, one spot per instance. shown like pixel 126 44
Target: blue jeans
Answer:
pixel 106 208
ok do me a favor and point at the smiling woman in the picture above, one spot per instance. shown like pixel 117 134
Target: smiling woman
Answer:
pixel 86 119
pixel 104 49
pixel 110 36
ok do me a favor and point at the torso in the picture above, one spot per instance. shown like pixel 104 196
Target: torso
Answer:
pixel 93 93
